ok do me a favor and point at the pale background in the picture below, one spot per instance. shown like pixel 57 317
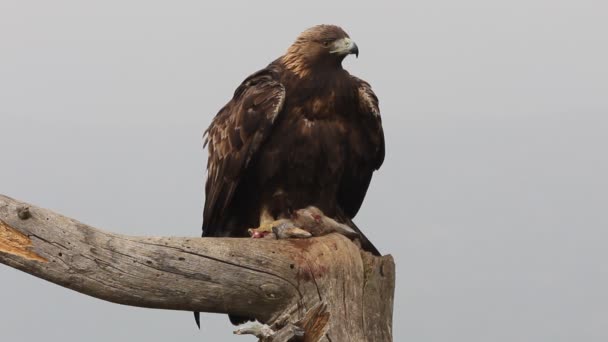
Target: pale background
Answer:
pixel 493 197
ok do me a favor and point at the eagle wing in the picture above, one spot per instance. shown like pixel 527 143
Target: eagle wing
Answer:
pixel 234 137
pixel 368 148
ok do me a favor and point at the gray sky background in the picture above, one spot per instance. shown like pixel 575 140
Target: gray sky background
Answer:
pixel 493 197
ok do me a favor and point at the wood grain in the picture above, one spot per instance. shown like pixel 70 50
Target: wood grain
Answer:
pixel 276 281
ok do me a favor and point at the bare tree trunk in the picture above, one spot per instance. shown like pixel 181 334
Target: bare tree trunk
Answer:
pixel 325 287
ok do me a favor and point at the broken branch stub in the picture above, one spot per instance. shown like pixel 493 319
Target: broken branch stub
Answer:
pixel 346 294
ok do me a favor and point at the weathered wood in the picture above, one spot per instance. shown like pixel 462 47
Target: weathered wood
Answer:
pixel 276 281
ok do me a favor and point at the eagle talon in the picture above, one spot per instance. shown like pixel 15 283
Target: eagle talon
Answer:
pixel 258 234
pixel 265 230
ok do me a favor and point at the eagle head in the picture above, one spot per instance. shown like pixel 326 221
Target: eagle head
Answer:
pixel 319 47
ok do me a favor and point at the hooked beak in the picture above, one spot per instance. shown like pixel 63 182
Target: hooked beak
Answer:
pixel 345 47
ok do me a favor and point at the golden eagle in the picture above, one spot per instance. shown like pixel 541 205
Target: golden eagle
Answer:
pixel 301 132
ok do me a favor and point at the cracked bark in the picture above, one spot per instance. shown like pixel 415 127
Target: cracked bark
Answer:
pixel 326 286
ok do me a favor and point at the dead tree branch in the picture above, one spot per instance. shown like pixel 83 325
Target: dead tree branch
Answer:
pixel 325 286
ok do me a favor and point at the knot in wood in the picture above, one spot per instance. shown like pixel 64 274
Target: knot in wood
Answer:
pixel 24 213
pixel 271 290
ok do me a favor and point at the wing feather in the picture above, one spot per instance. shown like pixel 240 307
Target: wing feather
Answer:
pixel 369 105
pixel 233 139
pixel 368 151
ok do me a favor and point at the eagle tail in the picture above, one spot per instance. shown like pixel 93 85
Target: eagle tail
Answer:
pixel 365 243
pixel 197 319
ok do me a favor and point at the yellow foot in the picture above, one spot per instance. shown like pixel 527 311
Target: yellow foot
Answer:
pixel 265 229
pixel 260 231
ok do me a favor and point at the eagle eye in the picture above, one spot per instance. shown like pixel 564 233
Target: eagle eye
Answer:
pixel 326 43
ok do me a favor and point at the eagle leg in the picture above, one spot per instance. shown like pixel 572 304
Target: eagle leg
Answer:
pixel 263 230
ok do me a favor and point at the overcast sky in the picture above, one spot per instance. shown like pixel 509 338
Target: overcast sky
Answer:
pixel 493 198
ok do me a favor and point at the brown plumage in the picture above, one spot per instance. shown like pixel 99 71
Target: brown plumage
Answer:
pixel 300 132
